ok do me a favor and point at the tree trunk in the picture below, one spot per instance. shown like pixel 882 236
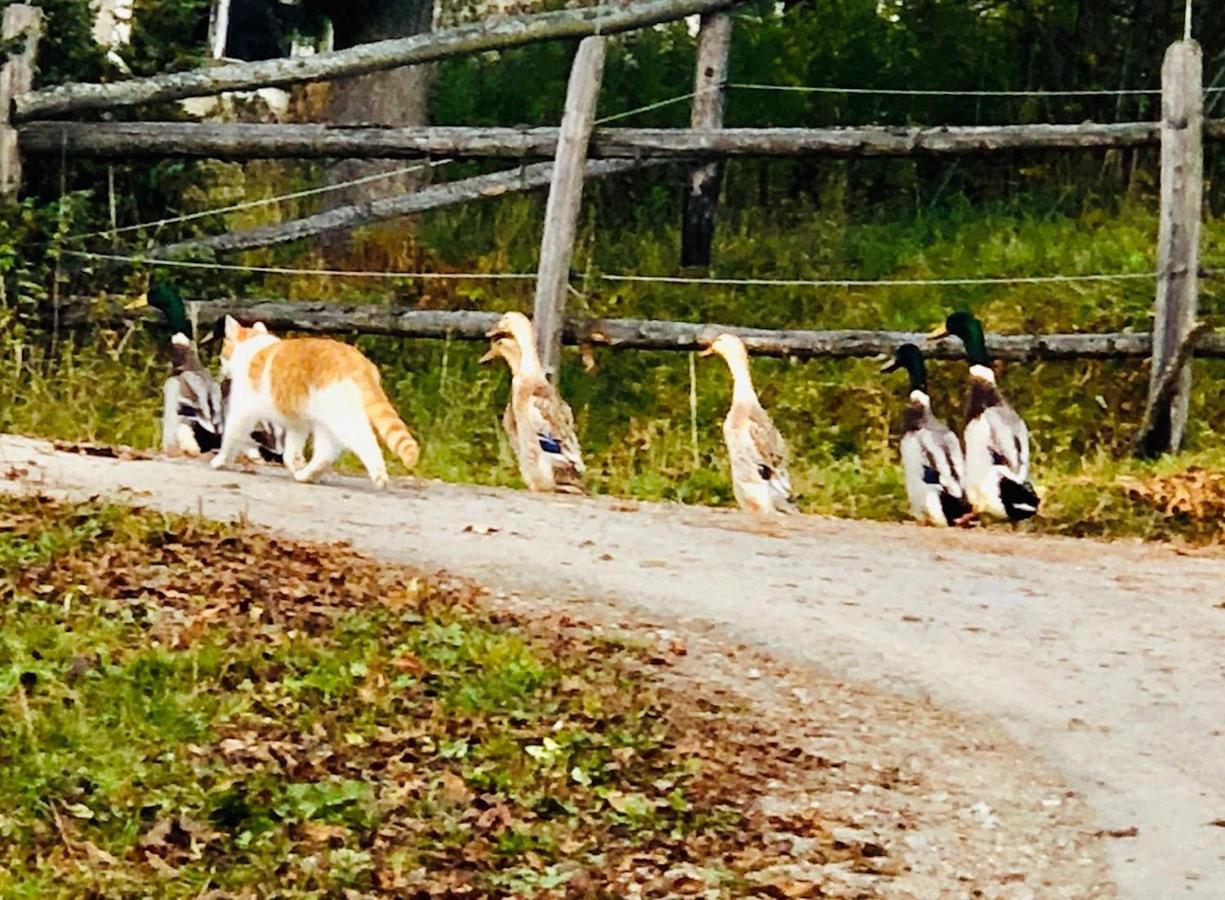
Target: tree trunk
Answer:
pixel 394 97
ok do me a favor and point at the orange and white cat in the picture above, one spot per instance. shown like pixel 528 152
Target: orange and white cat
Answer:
pixel 313 388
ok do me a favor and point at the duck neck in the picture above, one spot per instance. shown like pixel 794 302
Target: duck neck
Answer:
pixel 742 381
pixel 528 363
pixel 982 372
pixel 918 375
pixel 976 345
pixel 176 318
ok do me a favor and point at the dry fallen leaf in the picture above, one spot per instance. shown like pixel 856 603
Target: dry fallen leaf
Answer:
pixel 1131 831
pixel 322 833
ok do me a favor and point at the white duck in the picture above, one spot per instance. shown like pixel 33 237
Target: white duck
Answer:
pixel 537 420
pixel 755 449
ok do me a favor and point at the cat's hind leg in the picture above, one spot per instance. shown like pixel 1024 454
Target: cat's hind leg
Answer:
pixel 342 409
pixel 362 442
pixel 326 449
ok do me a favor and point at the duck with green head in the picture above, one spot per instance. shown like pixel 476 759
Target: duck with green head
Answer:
pixel 194 404
pixel 932 461
pixel 996 438
pixel 192 409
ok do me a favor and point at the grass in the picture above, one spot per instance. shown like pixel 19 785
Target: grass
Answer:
pixel 193 708
pixel 633 410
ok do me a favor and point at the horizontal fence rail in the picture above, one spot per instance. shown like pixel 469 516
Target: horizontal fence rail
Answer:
pixel 437 196
pixel 476 37
pixel 649 334
pixel 133 140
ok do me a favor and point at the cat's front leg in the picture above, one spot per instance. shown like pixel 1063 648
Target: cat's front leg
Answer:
pixel 294 452
pixel 237 424
pixel 170 417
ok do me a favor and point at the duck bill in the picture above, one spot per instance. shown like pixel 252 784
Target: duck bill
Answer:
pixel 488 357
pixel 708 351
pixel 891 366
pixel 937 333
pixel 139 303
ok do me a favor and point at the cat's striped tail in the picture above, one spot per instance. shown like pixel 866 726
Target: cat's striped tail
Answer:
pixel 387 423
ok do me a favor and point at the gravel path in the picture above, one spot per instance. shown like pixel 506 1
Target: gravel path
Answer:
pixel 1108 660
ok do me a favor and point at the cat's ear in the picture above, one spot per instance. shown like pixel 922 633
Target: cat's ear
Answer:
pixel 231 328
pixel 259 328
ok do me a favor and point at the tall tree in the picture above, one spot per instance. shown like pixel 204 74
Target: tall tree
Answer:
pixel 395 97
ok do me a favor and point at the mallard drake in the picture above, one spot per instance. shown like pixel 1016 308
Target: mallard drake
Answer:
pixel 537 420
pixel 756 450
pixel 192 409
pixel 194 403
pixel 996 438
pixel 932 460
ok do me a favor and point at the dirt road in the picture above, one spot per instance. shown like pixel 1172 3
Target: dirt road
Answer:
pixel 1108 660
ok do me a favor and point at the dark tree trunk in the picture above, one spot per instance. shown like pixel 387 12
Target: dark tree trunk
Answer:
pixel 396 97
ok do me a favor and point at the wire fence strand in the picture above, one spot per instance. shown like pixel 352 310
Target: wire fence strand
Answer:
pixel 881 282
pixel 956 281
pixel 293 270
pixel 921 92
pixel 262 201
pixel 659 104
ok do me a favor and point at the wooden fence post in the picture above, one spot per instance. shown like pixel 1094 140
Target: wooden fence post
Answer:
pixel 1182 192
pixel 709 86
pixel 16 77
pixel 218 28
pixel 565 199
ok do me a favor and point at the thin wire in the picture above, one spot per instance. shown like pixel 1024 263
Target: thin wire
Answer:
pixel 645 279
pixel 650 106
pixel 901 92
pixel 290 270
pixel 906 92
pixel 880 282
pixel 264 201
pixel 1186 25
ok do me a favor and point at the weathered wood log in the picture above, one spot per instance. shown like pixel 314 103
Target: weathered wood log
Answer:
pixel 709 87
pixel 648 334
pixel 141 140
pixel 435 197
pixel 475 37
pixel 1182 192
pixel 565 201
pixel 24 22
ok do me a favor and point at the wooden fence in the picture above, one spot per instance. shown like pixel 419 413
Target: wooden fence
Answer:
pixel 577 150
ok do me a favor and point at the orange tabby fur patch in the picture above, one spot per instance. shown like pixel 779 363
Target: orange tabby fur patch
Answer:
pixel 296 366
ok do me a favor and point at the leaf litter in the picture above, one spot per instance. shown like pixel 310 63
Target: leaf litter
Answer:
pixel 217 710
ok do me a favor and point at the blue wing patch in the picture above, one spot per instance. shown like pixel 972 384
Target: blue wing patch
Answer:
pixel 930 475
pixel 548 444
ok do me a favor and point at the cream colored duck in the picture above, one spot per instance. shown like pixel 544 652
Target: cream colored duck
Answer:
pixel 537 420
pixel 755 449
